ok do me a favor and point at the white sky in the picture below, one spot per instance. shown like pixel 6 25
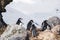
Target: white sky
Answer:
pixel 33 6
pixel 25 1
pixel 38 10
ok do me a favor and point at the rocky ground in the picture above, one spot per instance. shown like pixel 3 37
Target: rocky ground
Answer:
pixel 13 32
pixel 48 34
pixel 16 32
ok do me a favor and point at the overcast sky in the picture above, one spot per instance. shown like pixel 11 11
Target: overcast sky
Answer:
pixel 38 10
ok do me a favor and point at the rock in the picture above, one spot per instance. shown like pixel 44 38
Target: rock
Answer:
pixel 47 35
pixel 56 29
pixel 53 21
pixel 53 34
pixel 3 4
pixel 14 31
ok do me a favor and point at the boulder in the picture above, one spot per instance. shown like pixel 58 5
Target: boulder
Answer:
pixel 47 35
pixel 53 21
pixel 56 29
pixel 14 32
pixel 3 4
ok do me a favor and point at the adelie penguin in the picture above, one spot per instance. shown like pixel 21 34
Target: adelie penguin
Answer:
pixel 19 21
pixel 29 25
pixel 45 25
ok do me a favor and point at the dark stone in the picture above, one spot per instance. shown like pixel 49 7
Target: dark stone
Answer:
pixel 2 23
pixel 3 4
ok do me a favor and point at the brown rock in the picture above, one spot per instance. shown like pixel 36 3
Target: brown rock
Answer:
pixel 3 4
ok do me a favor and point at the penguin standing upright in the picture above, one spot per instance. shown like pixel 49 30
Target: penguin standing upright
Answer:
pixel 19 22
pixel 29 25
pixel 34 31
pixel 45 25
